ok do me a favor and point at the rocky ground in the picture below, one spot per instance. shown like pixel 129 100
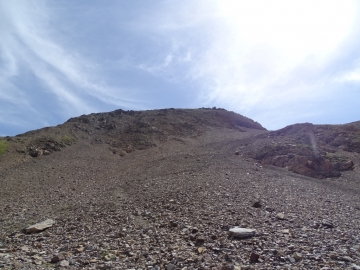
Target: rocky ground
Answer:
pixel 171 206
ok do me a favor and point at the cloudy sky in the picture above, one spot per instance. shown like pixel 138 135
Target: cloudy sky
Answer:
pixel 277 62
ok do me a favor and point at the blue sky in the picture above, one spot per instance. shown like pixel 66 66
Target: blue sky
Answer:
pixel 277 62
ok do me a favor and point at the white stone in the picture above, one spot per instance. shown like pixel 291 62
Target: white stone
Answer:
pixel 238 232
pixel 38 227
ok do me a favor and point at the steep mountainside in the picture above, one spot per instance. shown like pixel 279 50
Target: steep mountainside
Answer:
pixel 162 189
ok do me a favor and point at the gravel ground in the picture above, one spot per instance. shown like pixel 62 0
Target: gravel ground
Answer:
pixel 171 207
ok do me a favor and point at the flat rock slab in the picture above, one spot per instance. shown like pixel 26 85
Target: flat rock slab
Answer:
pixel 238 232
pixel 38 227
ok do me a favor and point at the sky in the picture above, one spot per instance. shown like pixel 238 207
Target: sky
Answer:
pixel 277 62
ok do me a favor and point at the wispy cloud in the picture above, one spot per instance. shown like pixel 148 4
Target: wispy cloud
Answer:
pixel 31 44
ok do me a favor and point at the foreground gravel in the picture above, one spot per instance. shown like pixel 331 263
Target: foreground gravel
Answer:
pixel 171 207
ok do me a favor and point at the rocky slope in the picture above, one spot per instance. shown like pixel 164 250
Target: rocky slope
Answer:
pixel 161 189
pixel 318 151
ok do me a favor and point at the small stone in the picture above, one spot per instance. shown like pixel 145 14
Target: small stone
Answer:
pixel 38 227
pixel 57 258
pixel 79 250
pixel 201 250
pixel 257 204
pixel 64 263
pixel 346 259
pixel 333 256
pixel 194 230
pixel 278 253
pixel 227 267
pixel 280 216
pixel 171 266
pixel 24 248
pixel 137 212
pixel 254 258
pixel 106 267
pixel 36 257
pixel 286 231
pixel 238 232
pixel 146 213
pixel 316 225
pixel 18 265
pixel 237 153
pixel 199 241
pixel 355 267
pixel 109 257
pixel 173 224
pixel 291 259
pixel 297 256
pixel 327 224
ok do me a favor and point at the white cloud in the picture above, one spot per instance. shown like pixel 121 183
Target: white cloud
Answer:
pixel 349 76
pixel 248 53
pixel 353 76
pixel 264 42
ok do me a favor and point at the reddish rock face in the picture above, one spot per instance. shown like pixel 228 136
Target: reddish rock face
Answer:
pixel 307 149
